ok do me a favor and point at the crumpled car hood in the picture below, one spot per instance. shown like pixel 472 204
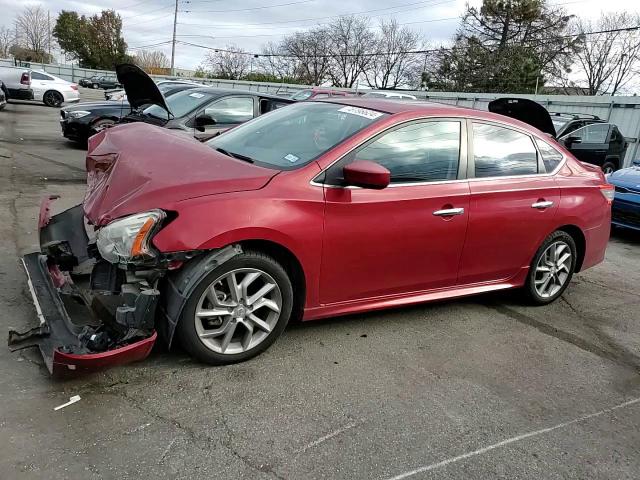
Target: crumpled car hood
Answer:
pixel 137 167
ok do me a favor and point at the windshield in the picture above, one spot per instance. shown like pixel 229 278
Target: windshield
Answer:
pixel 302 95
pixel 292 136
pixel 180 104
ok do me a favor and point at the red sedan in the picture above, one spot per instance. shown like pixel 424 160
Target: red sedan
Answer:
pixel 314 210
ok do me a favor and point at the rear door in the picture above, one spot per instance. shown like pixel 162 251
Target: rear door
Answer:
pixel 592 143
pixel 409 236
pixel 512 206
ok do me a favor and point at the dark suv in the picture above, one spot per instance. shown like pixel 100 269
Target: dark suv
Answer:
pixel 591 139
pixel 99 81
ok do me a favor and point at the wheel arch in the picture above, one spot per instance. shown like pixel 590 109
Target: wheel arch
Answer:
pixel 53 90
pixel 580 240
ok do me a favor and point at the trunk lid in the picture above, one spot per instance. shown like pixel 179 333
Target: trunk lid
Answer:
pixel 126 176
pixel 526 111
pixel 140 88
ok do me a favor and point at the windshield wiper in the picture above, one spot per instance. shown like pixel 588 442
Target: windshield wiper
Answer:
pixel 235 155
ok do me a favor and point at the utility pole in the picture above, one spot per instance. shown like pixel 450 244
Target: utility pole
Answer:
pixel 49 34
pixel 173 43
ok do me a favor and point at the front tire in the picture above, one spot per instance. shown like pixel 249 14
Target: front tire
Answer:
pixel 551 269
pixel 238 310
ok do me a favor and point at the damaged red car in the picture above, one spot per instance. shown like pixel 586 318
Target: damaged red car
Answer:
pixel 314 210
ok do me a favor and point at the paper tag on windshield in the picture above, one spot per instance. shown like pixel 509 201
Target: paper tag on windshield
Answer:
pixel 362 112
pixel 196 95
pixel 291 157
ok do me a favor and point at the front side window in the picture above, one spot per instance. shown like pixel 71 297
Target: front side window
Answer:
pixel 550 156
pixel 594 133
pixel 231 110
pixel 500 152
pixel 416 153
pixel 290 137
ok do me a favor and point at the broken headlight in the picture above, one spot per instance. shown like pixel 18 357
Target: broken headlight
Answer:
pixel 127 239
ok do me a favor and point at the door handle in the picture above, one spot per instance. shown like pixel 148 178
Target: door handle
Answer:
pixel 542 205
pixel 448 212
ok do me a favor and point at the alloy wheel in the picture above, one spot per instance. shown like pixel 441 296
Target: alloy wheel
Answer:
pixel 553 269
pixel 238 311
pixel 52 99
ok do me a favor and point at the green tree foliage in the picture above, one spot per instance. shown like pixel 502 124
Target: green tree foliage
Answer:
pixel 506 46
pixel 96 41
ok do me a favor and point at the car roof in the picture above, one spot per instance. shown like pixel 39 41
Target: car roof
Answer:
pixel 420 108
pixel 232 91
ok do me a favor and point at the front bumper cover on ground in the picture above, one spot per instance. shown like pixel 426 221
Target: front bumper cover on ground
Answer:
pixel 87 321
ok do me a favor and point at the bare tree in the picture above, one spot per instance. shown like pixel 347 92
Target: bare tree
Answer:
pixel 309 50
pixel 152 61
pixel 275 62
pixel 352 44
pixel 609 60
pixel 32 29
pixel 6 41
pixel 231 62
pixel 392 65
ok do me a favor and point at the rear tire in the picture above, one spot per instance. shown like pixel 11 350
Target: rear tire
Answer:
pixel 52 98
pixel 609 167
pixel 551 269
pixel 251 321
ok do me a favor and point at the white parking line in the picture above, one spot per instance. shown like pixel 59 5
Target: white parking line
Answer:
pixel 508 441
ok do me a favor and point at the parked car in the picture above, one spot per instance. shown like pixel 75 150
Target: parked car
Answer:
pixel 79 122
pixel 318 93
pixel 390 95
pixel 100 81
pixel 3 95
pixel 17 81
pixel 625 211
pixel 120 94
pixel 205 112
pixel 225 242
pixel 51 90
pixel 587 137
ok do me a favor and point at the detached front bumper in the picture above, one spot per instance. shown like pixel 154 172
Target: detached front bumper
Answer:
pixel 90 315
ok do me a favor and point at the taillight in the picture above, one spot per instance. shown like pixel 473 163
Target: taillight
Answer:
pixel 74 86
pixel 608 192
pixel 25 79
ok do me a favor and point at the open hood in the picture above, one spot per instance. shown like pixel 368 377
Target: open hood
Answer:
pixel 140 88
pixel 526 111
pixel 126 176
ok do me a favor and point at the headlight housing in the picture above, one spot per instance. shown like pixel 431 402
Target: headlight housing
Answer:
pixel 77 114
pixel 127 240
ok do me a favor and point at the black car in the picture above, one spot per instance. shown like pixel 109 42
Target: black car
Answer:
pixel 80 121
pixel 99 81
pixel 589 138
pixel 203 112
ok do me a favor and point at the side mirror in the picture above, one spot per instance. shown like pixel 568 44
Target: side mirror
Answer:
pixel 366 174
pixel 570 141
pixel 202 121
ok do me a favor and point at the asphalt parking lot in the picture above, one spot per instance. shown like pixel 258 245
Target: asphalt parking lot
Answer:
pixel 476 388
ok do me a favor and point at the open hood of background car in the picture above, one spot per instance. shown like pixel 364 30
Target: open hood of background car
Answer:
pixel 140 88
pixel 126 176
pixel 526 111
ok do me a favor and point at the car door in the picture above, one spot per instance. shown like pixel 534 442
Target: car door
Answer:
pixel 226 112
pixel 590 143
pixel 512 205
pixel 407 237
pixel 39 84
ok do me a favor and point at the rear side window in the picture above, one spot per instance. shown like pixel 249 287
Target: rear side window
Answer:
pixel 550 156
pixel 594 133
pixel 40 76
pixel 501 152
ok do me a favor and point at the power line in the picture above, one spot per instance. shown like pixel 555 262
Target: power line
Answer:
pixel 249 9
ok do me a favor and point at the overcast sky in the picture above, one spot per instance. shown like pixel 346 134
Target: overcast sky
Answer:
pixel 251 23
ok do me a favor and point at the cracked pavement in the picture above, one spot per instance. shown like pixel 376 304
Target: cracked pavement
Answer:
pixel 363 397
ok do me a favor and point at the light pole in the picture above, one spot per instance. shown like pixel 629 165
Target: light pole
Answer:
pixel 173 42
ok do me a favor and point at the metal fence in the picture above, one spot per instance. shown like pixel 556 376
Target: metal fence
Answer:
pixel 623 111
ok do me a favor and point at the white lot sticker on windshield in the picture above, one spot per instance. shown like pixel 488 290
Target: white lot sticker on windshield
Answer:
pixel 291 157
pixel 196 95
pixel 363 112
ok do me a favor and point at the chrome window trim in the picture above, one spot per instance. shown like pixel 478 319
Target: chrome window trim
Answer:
pixel 462 161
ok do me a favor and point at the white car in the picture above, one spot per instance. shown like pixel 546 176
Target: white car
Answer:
pixel 390 95
pixel 51 90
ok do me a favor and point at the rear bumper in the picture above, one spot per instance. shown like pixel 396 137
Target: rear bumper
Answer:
pixel 86 321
